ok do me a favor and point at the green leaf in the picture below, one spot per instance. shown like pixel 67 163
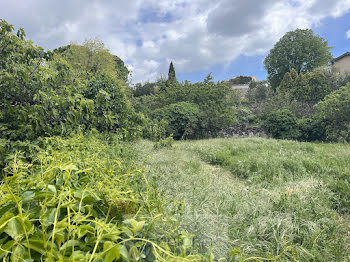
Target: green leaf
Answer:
pixel 42 247
pixel 134 253
pixel 4 220
pixel 136 226
pixel 6 248
pixel 235 252
pixel 5 209
pixel 114 237
pixel 15 228
pixel 70 167
pixel 49 217
pixel 19 254
pixel 59 238
pixel 111 251
pixel 52 189
pixel 124 252
pixel 84 229
pixel 187 243
pixel 70 244
pixel 79 256
pixel 28 196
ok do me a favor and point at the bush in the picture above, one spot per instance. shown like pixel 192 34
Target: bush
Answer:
pixel 78 201
pixel 183 119
pixel 311 129
pixel 164 143
pixel 334 112
pixel 282 124
pixel 155 129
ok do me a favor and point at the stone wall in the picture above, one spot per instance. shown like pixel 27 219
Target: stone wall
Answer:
pixel 241 130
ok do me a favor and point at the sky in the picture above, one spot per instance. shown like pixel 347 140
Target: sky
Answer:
pixel 224 37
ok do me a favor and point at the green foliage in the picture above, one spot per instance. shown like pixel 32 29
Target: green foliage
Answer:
pixel 257 95
pixel 334 112
pixel 182 118
pixel 93 58
pixel 240 80
pixel 214 101
pixel 77 201
pixel 299 49
pixel 154 129
pixel 164 143
pixel 311 129
pixel 40 97
pixel 4 149
pixel 282 124
pixel 306 87
pixel 144 89
pixel 171 74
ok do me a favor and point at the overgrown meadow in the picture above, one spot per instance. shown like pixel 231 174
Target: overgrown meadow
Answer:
pixel 259 197
pixel 88 199
pixel 93 169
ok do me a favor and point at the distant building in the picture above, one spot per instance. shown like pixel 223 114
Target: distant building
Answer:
pixel 341 64
pixel 241 82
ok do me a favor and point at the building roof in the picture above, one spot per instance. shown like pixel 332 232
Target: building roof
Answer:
pixel 340 57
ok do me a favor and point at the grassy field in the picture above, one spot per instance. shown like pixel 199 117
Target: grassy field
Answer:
pixel 261 197
pixel 94 198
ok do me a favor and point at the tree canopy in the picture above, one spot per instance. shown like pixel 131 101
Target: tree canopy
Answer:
pixel 94 58
pixel 300 50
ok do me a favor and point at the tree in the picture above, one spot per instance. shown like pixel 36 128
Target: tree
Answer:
pixel 299 49
pixel 94 58
pixel 171 74
pixel 334 112
pixel 144 89
pixel 305 87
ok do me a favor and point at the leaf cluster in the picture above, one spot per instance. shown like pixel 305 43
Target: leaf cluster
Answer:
pixel 73 204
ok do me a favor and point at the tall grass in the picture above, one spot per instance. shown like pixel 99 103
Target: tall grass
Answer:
pixel 259 197
pixel 97 199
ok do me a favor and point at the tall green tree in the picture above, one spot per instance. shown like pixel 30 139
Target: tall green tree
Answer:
pixel 171 74
pixel 299 49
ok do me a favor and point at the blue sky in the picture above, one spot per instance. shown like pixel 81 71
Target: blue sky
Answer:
pixel 332 29
pixel 224 37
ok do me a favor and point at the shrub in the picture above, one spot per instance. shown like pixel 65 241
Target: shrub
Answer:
pixel 77 201
pixel 155 129
pixel 164 143
pixel 334 112
pixel 311 129
pixel 183 119
pixel 282 124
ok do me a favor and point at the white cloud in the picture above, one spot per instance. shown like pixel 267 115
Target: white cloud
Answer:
pixel 348 34
pixel 148 34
